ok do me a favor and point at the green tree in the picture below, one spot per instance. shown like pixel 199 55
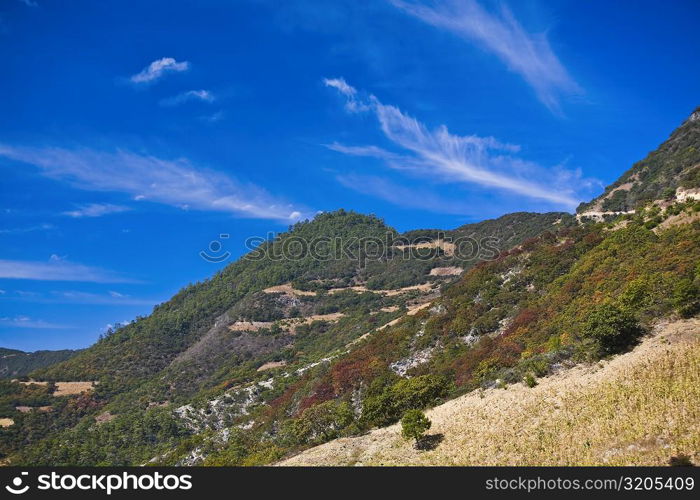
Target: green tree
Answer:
pixel 317 424
pixel 686 298
pixel 406 394
pixel 414 424
pixel 611 327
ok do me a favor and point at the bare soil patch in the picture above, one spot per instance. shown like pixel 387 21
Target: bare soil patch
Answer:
pixel 71 388
pixel 446 246
pixel 446 271
pixel 271 365
pixel 288 289
pixel 249 326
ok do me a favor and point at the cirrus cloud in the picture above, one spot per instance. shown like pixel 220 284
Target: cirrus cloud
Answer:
pixel 159 68
pixel 440 155
pixel 96 210
pixel 27 322
pixel 172 182
pixel 191 95
pixel 527 54
pixel 58 269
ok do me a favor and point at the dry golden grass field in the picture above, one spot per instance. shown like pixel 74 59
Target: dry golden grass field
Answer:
pixel 66 388
pixel 638 408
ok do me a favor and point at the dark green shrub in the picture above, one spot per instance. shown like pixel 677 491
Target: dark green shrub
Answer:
pixel 414 393
pixel 530 380
pixel 668 193
pixel 612 328
pixel 317 424
pixel 653 222
pixel 686 298
pixel 680 461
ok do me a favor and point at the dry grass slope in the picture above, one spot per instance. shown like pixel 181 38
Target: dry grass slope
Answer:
pixel 638 408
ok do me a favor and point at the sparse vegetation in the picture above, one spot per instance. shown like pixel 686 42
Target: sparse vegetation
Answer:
pixel 638 408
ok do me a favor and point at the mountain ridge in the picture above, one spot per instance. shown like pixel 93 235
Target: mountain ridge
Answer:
pixel 269 357
pixel 16 363
pixel 673 166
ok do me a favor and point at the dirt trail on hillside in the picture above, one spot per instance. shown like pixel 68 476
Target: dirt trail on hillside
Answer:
pixel 288 289
pixel 638 408
pixel 445 246
pixel 412 311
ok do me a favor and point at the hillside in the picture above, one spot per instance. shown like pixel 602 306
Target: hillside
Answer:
pixel 259 314
pixel 582 294
pixel 14 363
pixel 341 324
pixel 195 323
pixel 673 168
pixel 638 408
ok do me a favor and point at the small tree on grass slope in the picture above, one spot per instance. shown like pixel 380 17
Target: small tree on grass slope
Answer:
pixel 414 424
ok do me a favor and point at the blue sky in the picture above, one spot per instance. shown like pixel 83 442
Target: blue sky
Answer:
pixel 135 133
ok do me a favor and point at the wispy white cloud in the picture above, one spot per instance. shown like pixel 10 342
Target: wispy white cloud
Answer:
pixel 484 161
pixel 353 103
pixel 214 117
pixel 96 210
pixel 176 183
pixel 190 95
pixel 110 298
pixel 158 68
pixel 27 322
pixel 112 326
pixel 29 3
pixel 369 151
pixel 527 54
pixel 58 269
pixel 28 229
pixel 402 196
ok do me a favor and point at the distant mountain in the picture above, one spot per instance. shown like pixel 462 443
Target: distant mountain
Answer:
pixel 14 364
pixel 674 166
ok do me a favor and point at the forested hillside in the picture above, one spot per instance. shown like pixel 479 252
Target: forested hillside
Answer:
pixel 264 310
pixel 14 363
pixel 151 343
pixel 675 164
pixel 342 324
